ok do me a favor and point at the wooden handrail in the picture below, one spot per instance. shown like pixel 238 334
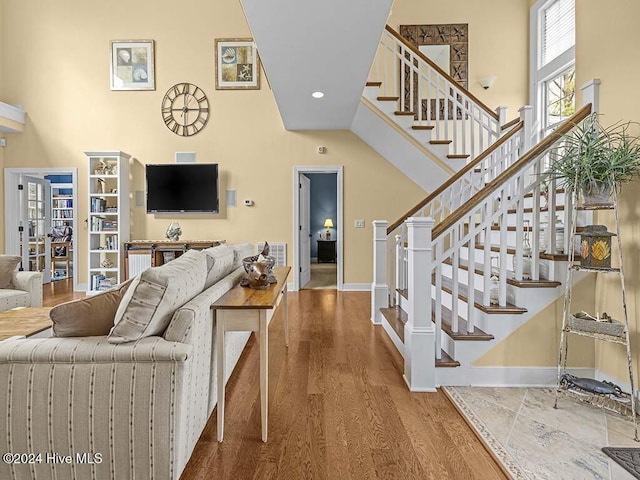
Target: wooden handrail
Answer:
pixel 510 124
pixel 528 157
pixel 420 55
pixel 456 177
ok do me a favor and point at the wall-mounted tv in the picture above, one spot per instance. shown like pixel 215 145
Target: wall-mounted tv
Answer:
pixel 182 188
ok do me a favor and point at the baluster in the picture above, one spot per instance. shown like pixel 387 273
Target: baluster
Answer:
pixel 455 287
pixel 446 99
pixel 464 129
pixel 379 288
pixel 454 120
pixel 400 267
pixel 471 274
pixel 535 225
pixel 473 131
pixel 486 260
pixel 438 300
pixel 503 248
pixel 551 226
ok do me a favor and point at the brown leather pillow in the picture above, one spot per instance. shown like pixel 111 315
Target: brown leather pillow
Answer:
pixel 90 316
pixel 8 264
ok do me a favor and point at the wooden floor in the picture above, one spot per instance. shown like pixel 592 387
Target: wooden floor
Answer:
pixel 338 407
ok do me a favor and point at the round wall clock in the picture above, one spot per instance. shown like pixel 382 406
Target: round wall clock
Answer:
pixel 185 109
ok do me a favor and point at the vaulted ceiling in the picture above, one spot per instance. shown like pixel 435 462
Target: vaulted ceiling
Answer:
pixel 306 47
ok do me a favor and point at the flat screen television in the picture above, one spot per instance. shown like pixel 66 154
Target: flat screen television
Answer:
pixel 182 188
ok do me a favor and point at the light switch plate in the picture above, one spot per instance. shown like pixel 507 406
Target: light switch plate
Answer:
pixel 359 224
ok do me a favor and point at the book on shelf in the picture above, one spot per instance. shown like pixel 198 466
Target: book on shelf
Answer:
pixel 102 282
pixel 98 205
pixel 62 203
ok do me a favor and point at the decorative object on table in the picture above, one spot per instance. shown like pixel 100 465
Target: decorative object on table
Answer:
pixel 185 109
pixel 593 160
pixel 106 263
pixel 328 223
pixel 132 65
pixel 595 247
pixel 173 232
pixel 590 385
pixel 602 324
pixel 100 169
pixel 237 64
pixel 259 270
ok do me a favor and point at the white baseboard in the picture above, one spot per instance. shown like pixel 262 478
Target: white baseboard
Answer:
pixel 521 376
pixel 356 287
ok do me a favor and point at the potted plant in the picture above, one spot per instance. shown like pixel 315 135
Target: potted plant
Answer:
pixel 593 160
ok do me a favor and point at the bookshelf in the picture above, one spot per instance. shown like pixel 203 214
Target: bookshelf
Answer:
pixel 109 217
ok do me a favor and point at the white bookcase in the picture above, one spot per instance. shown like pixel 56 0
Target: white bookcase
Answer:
pixel 109 218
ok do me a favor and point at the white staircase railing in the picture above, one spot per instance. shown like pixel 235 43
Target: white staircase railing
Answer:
pixel 506 180
pixel 434 97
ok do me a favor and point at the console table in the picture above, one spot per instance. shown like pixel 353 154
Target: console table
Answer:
pixel 326 251
pixel 247 309
pixel 142 254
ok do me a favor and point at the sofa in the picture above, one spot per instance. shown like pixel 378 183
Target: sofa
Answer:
pixel 119 407
pixel 18 289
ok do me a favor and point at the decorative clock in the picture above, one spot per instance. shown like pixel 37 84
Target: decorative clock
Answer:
pixel 185 109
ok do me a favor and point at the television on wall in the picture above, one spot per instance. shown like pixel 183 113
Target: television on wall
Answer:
pixel 182 188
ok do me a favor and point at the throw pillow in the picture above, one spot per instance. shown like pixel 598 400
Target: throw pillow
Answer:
pixel 91 316
pixel 8 264
pixel 148 305
pixel 222 256
pixel 240 251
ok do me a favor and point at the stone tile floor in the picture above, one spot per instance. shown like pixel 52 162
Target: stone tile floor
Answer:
pixel 535 441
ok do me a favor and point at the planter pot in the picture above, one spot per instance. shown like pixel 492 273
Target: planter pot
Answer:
pixel 597 194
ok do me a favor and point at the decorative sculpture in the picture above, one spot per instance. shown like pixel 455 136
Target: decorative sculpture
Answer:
pixel 173 231
pixel 590 385
pixel 259 270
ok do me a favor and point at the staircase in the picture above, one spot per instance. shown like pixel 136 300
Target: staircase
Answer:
pixel 451 278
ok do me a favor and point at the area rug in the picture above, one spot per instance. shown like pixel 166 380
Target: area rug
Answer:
pixel 627 458
pixel 323 276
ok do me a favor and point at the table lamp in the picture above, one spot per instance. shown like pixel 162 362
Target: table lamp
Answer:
pixel 328 223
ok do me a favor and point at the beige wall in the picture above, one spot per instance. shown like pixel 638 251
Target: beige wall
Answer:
pixel 607 38
pixel 58 58
pixel 498 42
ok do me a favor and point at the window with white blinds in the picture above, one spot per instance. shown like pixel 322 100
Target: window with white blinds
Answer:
pixel 558 29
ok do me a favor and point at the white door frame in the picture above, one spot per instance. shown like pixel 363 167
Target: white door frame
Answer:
pixel 302 169
pixel 11 215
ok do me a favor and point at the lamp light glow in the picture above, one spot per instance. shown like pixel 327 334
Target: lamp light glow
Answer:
pixel 317 94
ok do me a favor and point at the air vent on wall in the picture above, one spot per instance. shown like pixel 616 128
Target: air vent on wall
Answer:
pixel 276 250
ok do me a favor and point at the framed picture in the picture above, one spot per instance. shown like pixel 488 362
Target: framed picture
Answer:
pixel 237 64
pixel 132 65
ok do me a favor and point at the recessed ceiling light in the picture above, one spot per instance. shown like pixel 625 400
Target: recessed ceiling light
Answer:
pixel 317 94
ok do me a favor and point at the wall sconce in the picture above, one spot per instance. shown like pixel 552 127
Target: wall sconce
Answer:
pixel 487 82
pixel 328 223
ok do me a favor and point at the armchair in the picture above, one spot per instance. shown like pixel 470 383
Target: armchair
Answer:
pixel 26 291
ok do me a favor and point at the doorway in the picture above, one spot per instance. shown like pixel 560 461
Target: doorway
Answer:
pixel 60 205
pixel 318 227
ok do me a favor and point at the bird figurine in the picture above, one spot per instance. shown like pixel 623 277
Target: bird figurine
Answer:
pixel 173 231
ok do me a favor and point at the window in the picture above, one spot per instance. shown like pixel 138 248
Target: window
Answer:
pixel 552 62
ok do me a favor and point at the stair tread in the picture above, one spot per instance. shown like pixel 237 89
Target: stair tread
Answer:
pixel 399 113
pixel 422 127
pixel 440 142
pixel 462 333
pixel 388 99
pixel 559 208
pixel 396 317
pixel 479 270
pixel 446 361
pixel 447 286
pixel 558 257
pixel 373 84
pixel 458 155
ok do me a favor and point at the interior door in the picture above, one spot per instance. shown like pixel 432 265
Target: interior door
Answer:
pixel 35 223
pixel 305 229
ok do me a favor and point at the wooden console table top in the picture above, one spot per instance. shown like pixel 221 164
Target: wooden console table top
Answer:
pixel 249 298
pixel 24 321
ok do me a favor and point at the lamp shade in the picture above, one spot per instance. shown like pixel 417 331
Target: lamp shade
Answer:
pixel 328 223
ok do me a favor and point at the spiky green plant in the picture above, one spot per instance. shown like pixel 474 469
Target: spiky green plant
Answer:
pixel 593 157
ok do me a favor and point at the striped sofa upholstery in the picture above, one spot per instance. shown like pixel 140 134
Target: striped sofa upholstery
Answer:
pixel 26 291
pixel 140 405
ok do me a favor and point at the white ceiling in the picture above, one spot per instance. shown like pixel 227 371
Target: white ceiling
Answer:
pixel 306 47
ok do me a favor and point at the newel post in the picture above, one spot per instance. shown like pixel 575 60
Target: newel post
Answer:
pixel 591 94
pixel 379 287
pixel 502 114
pixel 419 331
pixel 526 117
